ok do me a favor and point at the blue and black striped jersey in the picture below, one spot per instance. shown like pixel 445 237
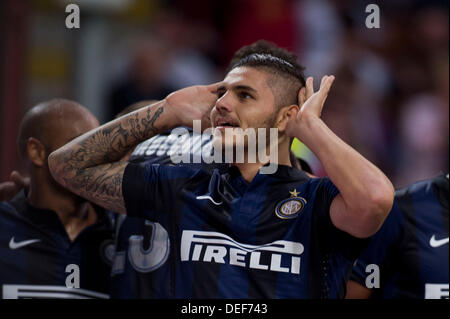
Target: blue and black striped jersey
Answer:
pixel 38 260
pixel 411 250
pixel 213 235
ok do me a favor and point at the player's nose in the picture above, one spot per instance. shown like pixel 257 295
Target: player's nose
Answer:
pixel 224 103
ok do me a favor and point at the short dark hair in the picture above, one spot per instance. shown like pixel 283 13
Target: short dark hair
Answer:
pixel 277 61
pixel 40 120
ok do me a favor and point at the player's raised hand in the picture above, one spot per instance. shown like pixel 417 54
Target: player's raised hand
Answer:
pixel 311 104
pixel 193 103
pixel 314 102
pixel 10 188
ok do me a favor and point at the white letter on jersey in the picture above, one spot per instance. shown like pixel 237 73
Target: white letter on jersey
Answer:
pixel 215 252
pixel 436 291
pixel 155 256
pixel 237 257
pixel 373 280
pixel 73 280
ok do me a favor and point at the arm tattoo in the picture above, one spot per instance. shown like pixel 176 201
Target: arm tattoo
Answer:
pixel 148 124
pixel 90 165
pixel 100 184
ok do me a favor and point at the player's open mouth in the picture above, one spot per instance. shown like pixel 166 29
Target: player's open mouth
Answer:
pixel 223 123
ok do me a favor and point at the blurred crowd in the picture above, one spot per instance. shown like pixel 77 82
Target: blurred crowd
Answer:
pixel 390 99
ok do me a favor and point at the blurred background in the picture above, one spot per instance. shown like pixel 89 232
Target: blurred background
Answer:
pixel 390 99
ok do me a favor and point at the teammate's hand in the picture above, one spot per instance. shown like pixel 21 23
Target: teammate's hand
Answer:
pixel 10 188
pixel 193 103
pixel 311 105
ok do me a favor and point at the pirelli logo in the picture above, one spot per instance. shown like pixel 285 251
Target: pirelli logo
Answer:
pixel 204 246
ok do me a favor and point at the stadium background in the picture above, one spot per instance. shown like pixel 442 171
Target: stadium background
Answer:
pixel 390 99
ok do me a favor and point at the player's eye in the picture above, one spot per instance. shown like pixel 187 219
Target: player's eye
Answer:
pixel 244 95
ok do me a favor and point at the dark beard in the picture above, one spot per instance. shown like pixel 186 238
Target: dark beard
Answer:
pixel 267 125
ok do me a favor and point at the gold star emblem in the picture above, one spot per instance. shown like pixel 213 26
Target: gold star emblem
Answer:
pixel 294 193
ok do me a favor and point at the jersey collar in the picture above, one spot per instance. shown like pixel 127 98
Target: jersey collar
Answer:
pixel 283 172
pixel 49 219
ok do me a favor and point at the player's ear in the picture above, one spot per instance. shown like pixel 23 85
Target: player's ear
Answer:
pixel 286 114
pixel 36 152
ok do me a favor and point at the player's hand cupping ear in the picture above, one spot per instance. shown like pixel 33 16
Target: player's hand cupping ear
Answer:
pixel 311 105
pixel 193 103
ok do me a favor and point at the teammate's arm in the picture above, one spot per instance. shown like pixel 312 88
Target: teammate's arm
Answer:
pixel 15 184
pixel 91 165
pixel 366 194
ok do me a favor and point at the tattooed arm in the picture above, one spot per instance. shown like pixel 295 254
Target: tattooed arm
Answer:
pixel 90 165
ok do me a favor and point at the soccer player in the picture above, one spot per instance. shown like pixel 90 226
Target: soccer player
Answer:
pixel 408 256
pixel 51 240
pixel 240 234
pixel 127 280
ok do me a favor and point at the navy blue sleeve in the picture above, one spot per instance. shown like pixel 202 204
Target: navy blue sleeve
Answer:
pixel 150 189
pixel 382 247
pixel 337 240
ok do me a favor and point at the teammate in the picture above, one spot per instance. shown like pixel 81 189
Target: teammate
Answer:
pixel 134 234
pixel 241 234
pixel 408 257
pixel 51 240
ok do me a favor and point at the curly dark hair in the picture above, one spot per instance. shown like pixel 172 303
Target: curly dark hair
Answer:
pixel 287 75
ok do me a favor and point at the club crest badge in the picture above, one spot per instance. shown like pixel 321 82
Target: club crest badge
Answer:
pixel 290 207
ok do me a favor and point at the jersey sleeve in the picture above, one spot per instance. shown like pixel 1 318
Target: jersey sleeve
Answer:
pixel 151 188
pixel 337 241
pixel 381 249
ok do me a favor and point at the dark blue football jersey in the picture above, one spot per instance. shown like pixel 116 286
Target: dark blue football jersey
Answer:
pixel 130 281
pixel 208 234
pixel 410 253
pixel 38 260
